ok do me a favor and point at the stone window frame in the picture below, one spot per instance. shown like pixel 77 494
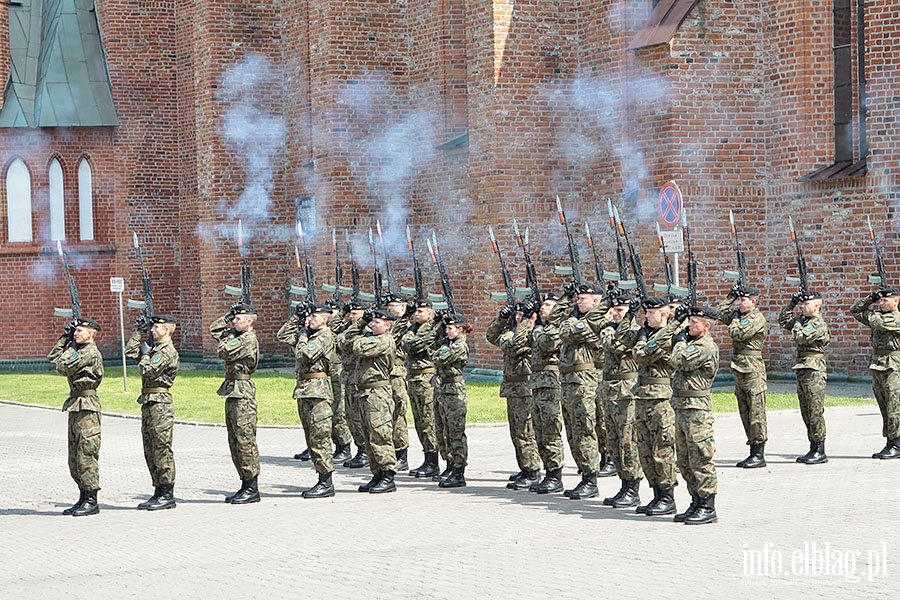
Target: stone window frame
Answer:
pixel 26 211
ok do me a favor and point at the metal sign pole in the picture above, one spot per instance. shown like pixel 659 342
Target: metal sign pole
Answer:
pixel 122 337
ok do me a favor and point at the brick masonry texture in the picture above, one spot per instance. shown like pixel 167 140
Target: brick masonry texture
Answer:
pixel 235 110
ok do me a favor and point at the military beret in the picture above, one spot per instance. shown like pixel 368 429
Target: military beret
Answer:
pixel 454 319
pixel 355 305
pixel 332 303
pixel 380 313
pixel 810 295
pixel 587 288
pixel 888 292
pixel 244 309
pixel 619 298
pixel 703 311
pixel 422 303
pixel 322 309
pixel 747 292
pixel 655 302
pixel 389 297
pixel 551 296
pixel 163 319
pixel 89 323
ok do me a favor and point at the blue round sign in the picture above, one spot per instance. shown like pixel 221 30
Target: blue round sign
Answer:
pixel 670 204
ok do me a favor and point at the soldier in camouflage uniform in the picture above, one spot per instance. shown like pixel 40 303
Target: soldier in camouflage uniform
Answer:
pixel 307 333
pixel 76 356
pixel 450 359
pixel 400 309
pixel 810 333
pixel 546 393
pixel 747 328
pixel 239 349
pixel 654 414
pixel 158 362
pixel 620 374
pixel 879 311
pixel 507 333
pixel 418 342
pixel 351 312
pixel 695 357
pixel 580 377
pixel 376 352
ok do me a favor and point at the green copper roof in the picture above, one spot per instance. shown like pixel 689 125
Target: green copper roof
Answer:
pixel 58 76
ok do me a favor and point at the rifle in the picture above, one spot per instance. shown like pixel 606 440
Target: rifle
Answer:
pixel 145 305
pixel 620 279
pixel 598 268
pixel 531 280
pixel 435 253
pixel 635 258
pixel 802 281
pixel 510 295
pixel 418 288
pixel 691 262
pixel 75 311
pixel 881 277
pixel 338 288
pixel 391 285
pixel 575 269
pixel 354 269
pixel 670 287
pixel 244 291
pixel 309 279
pixel 377 296
pixel 740 276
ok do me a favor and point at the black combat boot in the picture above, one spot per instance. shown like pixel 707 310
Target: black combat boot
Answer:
pixel 757 457
pixel 429 468
pixel 630 497
pixel 890 450
pixel 385 484
pixel 249 495
pixel 359 461
pixel 341 454
pixel 146 504
pixel 372 483
pixel 816 454
pixel 587 488
pixel 806 457
pixel 607 466
pixel 323 489
pixel 302 455
pixel 89 506
pixel 457 478
pixel 642 510
pixel 695 503
pixel 551 484
pixel 524 482
pixel 515 476
pixel 665 503
pixel 613 499
pixel 705 513
pixel 166 498
pixel 402 462
pixel 228 499
pixel 443 474
pixel 71 509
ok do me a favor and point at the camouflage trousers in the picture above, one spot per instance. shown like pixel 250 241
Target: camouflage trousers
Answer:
pixel 316 416
pixel 579 407
pixel 401 399
pixel 601 419
pixel 439 432
pixel 353 413
pixel 548 426
pixel 340 430
pixel 886 385
pixel 621 437
pixel 452 404
pixel 521 432
pixel 84 449
pixel 750 390
pixel 240 421
pixel 695 446
pixel 421 398
pixel 655 424
pixel 377 408
pixel 811 396
pixel 157 422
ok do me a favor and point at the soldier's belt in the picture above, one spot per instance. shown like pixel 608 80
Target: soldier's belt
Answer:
pixel 83 393
pixel 692 393
pixel 548 369
pixel 598 365
pixel 375 384
pixel 238 378
pixel 891 353
pixel 749 353
pixel 154 390
pixel 516 379
pixel 576 368
pixel 420 371
pixel 626 376
pixel 317 375
pixel 655 380
pixel 454 379
pixel 811 354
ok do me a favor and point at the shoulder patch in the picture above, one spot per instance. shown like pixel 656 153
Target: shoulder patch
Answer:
pixel 651 343
pixel 690 348
pixel 235 341
pixel 744 321
pixel 445 350
pixel 579 325
pixel 312 345
pixel 157 358
pixel 808 328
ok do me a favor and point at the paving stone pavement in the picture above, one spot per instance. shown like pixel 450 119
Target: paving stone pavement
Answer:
pixel 482 541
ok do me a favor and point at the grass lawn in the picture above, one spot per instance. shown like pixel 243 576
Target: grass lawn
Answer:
pixel 196 399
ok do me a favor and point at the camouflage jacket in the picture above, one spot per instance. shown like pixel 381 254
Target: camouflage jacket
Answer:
pixel 544 357
pixel 398 330
pixel 811 336
pixel 696 363
pixel 450 359
pixel 516 355
pixel 580 345
pixel 653 352
pixel 418 342
pixel 158 368
pixel 748 334
pixel 376 355
pixel 240 351
pixel 885 335
pixel 83 367
pixel 311 358
pixel 619 367
pixel 344 350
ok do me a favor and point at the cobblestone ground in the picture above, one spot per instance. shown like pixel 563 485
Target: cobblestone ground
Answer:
pixel 788 530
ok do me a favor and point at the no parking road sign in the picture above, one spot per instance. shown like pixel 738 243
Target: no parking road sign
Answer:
pixel 670 204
